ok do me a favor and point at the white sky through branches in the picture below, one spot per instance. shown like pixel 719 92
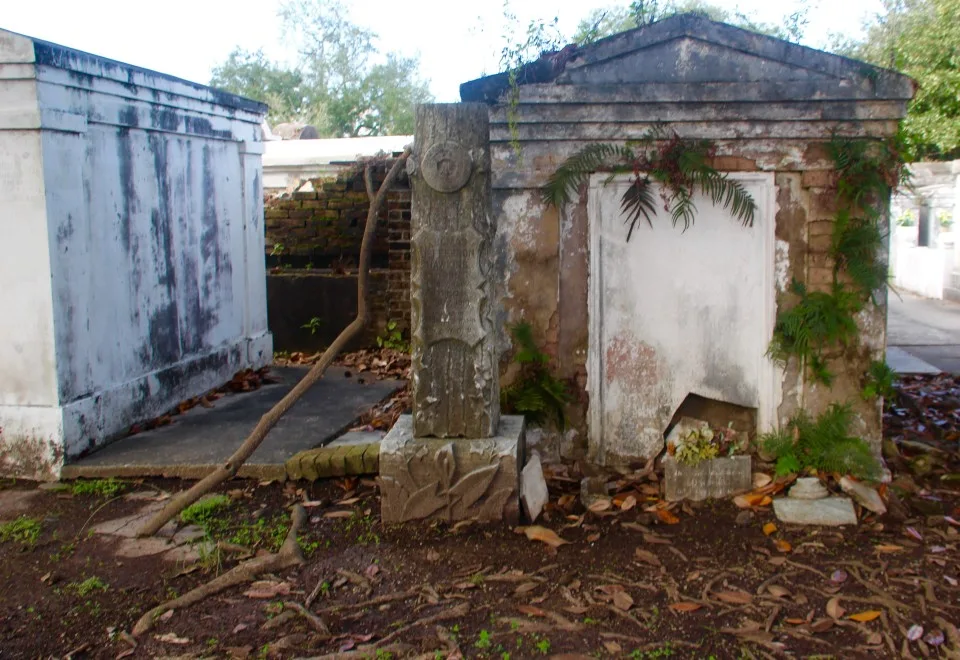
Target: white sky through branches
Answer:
pixel 456 40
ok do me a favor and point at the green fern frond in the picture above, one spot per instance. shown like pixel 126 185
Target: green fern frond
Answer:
pixel 822 444
pixel 637 201
pixel 576 170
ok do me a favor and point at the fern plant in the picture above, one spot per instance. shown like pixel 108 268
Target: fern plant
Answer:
pixel 681 166
pixel 818 321
pixel 536 394
pixel 856 246
pixel 879 381
pixel 823 444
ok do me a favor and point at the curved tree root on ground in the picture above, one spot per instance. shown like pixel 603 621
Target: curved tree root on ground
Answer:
pixel 288 555
pixel 271 417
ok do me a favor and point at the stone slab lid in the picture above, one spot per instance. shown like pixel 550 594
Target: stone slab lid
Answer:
pixel 19 49
pixel 689 58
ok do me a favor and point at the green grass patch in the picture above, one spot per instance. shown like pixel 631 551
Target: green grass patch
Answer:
pixel 100 487
pixel 206 512
pixel 24 530
pixel 88 586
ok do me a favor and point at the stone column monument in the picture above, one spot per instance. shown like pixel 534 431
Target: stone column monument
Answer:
pixel 455 458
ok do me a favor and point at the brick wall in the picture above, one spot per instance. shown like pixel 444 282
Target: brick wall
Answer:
pixel 321 231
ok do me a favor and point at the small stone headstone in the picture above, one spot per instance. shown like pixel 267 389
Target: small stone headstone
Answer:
pixel 713 478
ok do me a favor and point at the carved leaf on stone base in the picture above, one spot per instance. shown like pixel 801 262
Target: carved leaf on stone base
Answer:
pixel 492 509
pixel 422 503
pixel 417 500
pixel 472 486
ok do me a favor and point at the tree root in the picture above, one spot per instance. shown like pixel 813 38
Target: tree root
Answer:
pixel 288 555
pixel 453 613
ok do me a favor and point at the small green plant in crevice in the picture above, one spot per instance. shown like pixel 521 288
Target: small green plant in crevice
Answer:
pixel 483 640
pixel 664 651
pixel 879 381
pixel 536 393
pixel 392 338
pixel 817 322
pixel 313 325
pixel 88 586
pixel 823 444
pixel 206 512
pixel 278 249
pixel 542 646
pixel 24 530
pixel 100 487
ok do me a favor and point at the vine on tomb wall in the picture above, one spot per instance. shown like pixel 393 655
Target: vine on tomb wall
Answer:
pixel 868 172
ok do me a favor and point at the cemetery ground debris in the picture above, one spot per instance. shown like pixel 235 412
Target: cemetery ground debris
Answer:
pixel 617 579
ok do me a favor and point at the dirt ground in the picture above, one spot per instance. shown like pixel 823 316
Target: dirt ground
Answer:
pixel 703 581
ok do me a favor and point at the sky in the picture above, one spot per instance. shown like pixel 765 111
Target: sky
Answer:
pixel 456 40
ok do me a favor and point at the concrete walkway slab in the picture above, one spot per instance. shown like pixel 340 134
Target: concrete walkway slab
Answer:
pixel 203 438
pixel 905 363
pixel 928 330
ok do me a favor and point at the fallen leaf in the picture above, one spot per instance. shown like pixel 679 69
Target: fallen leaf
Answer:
pixel 548 536
pixel 576 609
pixel 267 589
pixel 839 576
pixel 752 500
pixel 874 638
pixel 628 503
pixel 951 581
pixel 914 633
pixel 685 606
pixel 914 533
pixel 612 647
pixel 888 547
pixel 667 517
pixel 433 555
pixel 622 600
pixel 734 597
pixel 656 540
pixel 530 610
pixel 171 638
pixel 593 538
pixel 783 546
pixel 777 561
pixel 524 588
pixel 934 638
pixel 821 625
pixel 600 504
pixel 863 617
pixel 371 570
pixel 769 528
pixel 794 621
pixel 777 591
pixel 761 479
pixel 338 514
pixel 166 616
pixel 834 609
pixel 348 501
pixel 647 557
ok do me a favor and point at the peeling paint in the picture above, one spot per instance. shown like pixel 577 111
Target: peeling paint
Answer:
pixel 122 226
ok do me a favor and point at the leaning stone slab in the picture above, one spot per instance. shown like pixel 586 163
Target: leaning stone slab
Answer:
pixel 714 478
pixel 868 497
pixel 827 511
pixel 440 478
pixel 533 488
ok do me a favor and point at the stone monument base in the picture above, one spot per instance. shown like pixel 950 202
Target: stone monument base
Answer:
pixel 451 478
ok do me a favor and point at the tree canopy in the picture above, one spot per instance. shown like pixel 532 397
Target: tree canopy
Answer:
pixel 341 83
pixel 921 38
